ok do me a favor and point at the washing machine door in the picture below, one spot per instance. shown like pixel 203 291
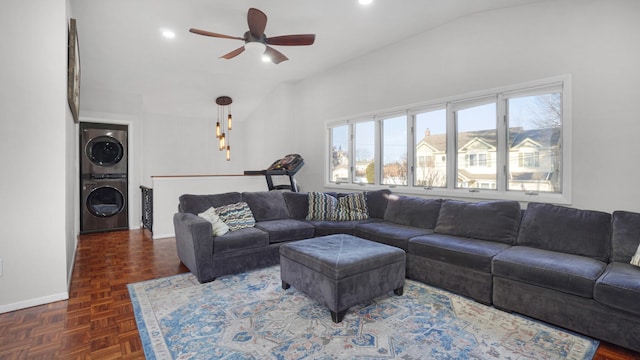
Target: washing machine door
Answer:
pixel 104 151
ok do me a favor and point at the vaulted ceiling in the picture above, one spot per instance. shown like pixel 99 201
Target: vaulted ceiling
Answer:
pixel 123 52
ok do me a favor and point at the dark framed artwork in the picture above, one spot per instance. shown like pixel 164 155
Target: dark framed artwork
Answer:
pixel 73 71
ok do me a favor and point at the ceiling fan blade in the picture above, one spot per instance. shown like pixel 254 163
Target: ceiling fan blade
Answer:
pixel 257 21
pixel 292 40
pixel 276 56
pixel 234 53
pixel 212 34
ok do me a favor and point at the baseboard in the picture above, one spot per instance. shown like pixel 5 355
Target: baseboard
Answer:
pixel 34 302
pixel 155 236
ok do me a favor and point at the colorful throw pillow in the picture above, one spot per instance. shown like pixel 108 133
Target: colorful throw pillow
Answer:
pixel 352 207
pixel 218 226
pixel 635 260
pixel 237 216
pixel 322 206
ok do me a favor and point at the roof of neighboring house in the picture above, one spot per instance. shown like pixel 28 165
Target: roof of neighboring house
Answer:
pixel 546 138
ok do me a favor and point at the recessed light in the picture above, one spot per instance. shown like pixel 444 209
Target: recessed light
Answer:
pixel 168 34
pixel 365 2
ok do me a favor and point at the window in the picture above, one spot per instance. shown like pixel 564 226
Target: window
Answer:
pixel 394 151
pixel 507 144
pixel 365 168
pixel 339 154
pixel 476 144
pixel 535 127
pixel 430 128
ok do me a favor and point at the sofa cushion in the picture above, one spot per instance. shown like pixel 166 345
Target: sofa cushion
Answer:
pixel 389 233
pixel 619 287
pixel 196 204
pixel 218 226
pixel 297 203
pixel 237 216
pixel 246 238
pixel 324 228
pixel 377 202
pixel 625 235
pixel 412 211
pixel 567 230
pixel 464 252
pixel 322 206
pixel 286 229
pixel 352 207
pixel 486 220
pixel 266 205
pixel 563 272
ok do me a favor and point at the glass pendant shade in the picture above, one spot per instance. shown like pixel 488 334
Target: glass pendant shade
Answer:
pixel 218 129
pixel 222 142
pixel 228 153
pixel 229 122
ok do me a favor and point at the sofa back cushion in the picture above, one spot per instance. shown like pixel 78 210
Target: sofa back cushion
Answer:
pixel 412 211
pixel 196 204
pixel 266 205
pixel 568 230
pixel 297 203
pixel 377 202
pixel 486 220
pixel 625 237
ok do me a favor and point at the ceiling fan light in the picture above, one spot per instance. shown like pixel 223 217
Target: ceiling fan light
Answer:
pixel 266 58
pixel 255 46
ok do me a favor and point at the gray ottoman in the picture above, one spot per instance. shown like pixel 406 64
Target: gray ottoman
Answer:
pixel 340 271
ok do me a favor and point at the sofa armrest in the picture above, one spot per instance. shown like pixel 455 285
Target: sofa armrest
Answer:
pixel 194 241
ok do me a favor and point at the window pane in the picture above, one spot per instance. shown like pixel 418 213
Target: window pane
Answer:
pixel 476 141
pixel 535 160
pixel 394 151
pixel 431 149
pixel 339 167
pixel 364 153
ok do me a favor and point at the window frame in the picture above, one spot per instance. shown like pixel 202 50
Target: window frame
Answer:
pixel 451 104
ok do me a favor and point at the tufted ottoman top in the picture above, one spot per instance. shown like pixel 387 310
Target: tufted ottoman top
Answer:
pixel 339 256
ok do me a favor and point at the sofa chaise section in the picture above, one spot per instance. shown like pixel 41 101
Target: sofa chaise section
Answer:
pixel 552 273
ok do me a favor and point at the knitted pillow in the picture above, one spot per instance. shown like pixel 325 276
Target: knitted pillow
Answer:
pixel 322 206
pixel 218 226
pixel 352 207
pixel 237 216
pixel 635 260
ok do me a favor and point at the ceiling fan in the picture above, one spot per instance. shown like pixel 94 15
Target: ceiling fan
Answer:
pixel 257 21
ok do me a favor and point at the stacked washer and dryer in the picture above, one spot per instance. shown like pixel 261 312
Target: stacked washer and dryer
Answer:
pixel 103 177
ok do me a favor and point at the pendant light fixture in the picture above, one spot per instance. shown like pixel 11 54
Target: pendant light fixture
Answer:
pixel 223 128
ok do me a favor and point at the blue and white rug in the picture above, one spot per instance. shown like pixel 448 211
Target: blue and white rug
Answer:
pixel 249 316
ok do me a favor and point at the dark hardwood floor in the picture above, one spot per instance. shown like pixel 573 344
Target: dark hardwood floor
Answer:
pixel 97 321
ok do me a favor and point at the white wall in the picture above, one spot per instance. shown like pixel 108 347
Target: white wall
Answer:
pixel 595 41
pixel 34 151
pixel 174 145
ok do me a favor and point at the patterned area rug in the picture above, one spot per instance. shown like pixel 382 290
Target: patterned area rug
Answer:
pixel 249 316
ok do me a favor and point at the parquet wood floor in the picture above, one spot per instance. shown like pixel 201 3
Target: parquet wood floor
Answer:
pixel 97 322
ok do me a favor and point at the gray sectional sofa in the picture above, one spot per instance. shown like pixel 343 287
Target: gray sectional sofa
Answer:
pixel 568 267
